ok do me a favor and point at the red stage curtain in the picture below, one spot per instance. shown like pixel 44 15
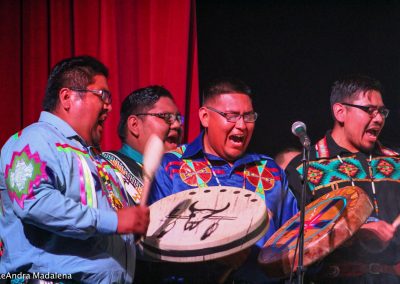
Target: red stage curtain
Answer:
pixel 142 42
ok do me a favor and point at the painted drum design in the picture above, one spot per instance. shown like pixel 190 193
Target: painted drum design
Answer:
pixel 329 221
pixel 205 223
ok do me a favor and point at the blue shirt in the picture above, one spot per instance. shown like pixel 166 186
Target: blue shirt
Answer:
pixel 57 214
pixel 255 172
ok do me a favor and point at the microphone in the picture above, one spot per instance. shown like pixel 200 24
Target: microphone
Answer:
pixel 299 129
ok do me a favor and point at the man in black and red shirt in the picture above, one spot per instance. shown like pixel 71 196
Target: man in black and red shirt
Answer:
pixel 350 154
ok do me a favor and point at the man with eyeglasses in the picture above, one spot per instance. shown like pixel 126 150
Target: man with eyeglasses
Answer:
pixel 64 212
pixel 218 156
pixel 350 154
pixel 145 111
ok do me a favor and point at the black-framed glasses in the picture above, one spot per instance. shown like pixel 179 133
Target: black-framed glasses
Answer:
pixel 103 94
pixel 371 110
pixel 235 117
pixel 168 117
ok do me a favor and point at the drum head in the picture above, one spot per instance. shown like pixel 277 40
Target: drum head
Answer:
pixel 329 221
pixel 204 223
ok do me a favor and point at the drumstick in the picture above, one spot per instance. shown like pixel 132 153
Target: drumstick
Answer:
pixel 152 154
pixel 396 222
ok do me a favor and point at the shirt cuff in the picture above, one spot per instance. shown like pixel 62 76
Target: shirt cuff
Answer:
pixel 107 222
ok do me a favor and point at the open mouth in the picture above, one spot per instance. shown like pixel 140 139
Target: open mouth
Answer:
pixel 172 139
pixel 237 139
pixel 101 120
pixel 373 132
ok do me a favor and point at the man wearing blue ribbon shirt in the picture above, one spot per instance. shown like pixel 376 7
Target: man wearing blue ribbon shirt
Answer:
pixel 64 210
pixel 218 157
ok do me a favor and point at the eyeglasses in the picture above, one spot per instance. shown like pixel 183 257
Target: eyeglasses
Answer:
pixel 235 117
pixel 168 117
pixel 103 94
pixel 371 110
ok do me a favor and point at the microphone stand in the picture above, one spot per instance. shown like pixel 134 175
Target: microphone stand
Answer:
pixel 305 160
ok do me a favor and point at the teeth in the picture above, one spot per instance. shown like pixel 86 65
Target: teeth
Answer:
pixel 237 138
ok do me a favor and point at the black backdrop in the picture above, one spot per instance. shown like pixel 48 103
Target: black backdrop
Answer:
pixel 290 53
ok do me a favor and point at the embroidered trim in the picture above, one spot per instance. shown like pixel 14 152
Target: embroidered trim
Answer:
pixel 178 151
pixel 195 173
pixel 88 189
pixel 332 172
pixel 24 172
pixel 86 181
pixel 68 148
pixel 329 172
pixel 17 135
pixel 115 196
pixel 260 177
pixel 132 183
pixel 321 148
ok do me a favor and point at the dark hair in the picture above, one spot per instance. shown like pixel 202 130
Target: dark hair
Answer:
pixel 225 86
pixel 348 88
pixel 75 72
pixel 139 101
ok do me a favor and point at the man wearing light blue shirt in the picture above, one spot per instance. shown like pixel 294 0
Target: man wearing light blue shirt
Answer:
pixel 64 209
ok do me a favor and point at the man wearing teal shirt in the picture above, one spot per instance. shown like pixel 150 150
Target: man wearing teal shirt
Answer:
pixel 145 111
pixel 148 111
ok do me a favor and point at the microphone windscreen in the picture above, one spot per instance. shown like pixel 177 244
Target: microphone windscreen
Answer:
pixel 298 127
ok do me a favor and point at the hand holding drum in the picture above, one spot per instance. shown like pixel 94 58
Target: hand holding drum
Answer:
pixel 375 237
